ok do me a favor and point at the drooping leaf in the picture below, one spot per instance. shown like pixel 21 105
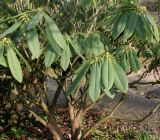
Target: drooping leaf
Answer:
pixel 81 72
pixel 120 78
pixel 123 62
pixel 131 25
pixel 155 30
pixel 33 43
pixel 54 32
pixel 54 45
pixel 11 29
pixel 3 61
pixel 119 26
pixel 109 94
pixel 50 56
pixel 140 27
pixel 14 64
pixel 65 58
pixel 93 45
pixel 1 50
pixel 34 21
pixel 107 73
pixel 133 60
pixel 21 56
pixel 94 81
pixel 109 20
pixel 74 45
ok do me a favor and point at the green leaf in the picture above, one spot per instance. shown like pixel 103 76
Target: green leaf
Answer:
pixel 93 45
pixel 50 56
pixel 34 21
pixel 81 72
pixel 133 60
pixel 131 25
pixel 14 64
pixel 109 94
pixel 120 78
pixel 107 73
pixel 1 50
pixel 123 62
pixel 140 27
pixel 20 55
pixel 11 29
pixel 74 45
pixel 158 52
pixel 3 61
pixel 94 81
pixel 65 58
pixel 54 32
pixel 33 43
pixel 54 45
pixel 109 20
pixel 155 30
pixel 119 26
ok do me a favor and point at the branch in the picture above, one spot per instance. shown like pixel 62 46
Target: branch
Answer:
pixel 143 118
pixel 110 116
pixel 144 74
pixel 54 101
pixel 150 113
pixel 38 118
pixel 91 105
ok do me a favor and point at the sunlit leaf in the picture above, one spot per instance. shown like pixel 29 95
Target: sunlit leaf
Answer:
pixel 34 21
pixel 11 29
pixel 65 58
pixel 50 56
pixel 14 64
pixel 119 25
pixel 94 81
pixel 54 32
pixel 120 78
pixel 33 43
pixel 78 77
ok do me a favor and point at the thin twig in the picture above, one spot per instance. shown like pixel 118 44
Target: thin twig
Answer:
pixel 38 118
pixel 103 119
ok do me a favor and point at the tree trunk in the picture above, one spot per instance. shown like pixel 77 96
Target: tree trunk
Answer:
pixel 53 128
pixel 76 127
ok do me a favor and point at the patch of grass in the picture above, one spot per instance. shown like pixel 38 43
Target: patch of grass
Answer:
pixel 117 135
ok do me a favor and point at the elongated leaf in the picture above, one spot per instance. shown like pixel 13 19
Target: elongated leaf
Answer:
pixel 107 74
pixel 123 62
pixel 33 43
pixel 138 63
pixel 79 77
pixel 74 44
pixel 110 20
pixel 54 32
pixel 11 29
pixel 92 93
pixel 14 64
pixel 119 25
pixel 109 94
pixel 155 28
pixel 131 25
pixel 54 45
pixel 3 62
pixel 120 78
pixel 34 21
pixel 65 58
pixel 20 55
pixel 49 56
pixel 98 79
pixel 133 60
pixel 140 27
pixel 1 50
